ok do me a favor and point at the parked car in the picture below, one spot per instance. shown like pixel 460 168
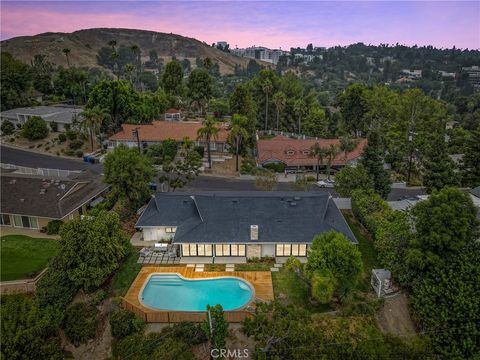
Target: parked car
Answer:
pixel 325 183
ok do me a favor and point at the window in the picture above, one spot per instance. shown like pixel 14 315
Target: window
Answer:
pixel 306 152
pixel 291 250
pixel 290 152
pixel 25 222
pixel 5 220
pixel 196 249
pixel 17 220
pixel 170 230
pixel 230 250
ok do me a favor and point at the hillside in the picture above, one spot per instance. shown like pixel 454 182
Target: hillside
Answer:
pixel 84 45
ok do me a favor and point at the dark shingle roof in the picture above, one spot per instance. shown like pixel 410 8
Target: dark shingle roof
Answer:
pixel 476 191
pixel 47 197
pixel 219 217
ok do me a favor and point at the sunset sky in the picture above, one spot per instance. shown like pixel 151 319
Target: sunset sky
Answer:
pixel 273 24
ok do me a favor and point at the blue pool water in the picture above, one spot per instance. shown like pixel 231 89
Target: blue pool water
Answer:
pixel 172 292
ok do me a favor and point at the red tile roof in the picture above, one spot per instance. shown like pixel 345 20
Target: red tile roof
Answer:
pixel 172 111
pixel 163 130
pixel 295 152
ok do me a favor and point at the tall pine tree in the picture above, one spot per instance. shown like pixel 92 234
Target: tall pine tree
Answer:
pixel 471 161
pixel 438 166
pixel 372 161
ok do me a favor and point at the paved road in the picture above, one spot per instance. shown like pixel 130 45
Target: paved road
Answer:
pixel 202 183
pixel 31 159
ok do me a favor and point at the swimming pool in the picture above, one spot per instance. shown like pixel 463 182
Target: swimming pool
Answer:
pixel 174 292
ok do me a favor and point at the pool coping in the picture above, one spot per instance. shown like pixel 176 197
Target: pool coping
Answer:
pixel 260 281
pixel 247 304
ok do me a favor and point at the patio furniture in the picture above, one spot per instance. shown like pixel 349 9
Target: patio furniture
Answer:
pixel 159 247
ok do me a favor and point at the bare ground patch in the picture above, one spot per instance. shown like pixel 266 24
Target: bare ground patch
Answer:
pixel 394 317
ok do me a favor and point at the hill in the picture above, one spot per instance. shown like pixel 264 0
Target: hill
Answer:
pixel 84 45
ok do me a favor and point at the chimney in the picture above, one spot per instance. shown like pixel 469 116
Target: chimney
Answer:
pixel 253 232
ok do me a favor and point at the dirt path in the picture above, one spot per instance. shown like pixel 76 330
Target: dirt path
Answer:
pixel 394 317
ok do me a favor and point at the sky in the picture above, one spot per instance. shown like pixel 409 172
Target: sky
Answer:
pixel 274 24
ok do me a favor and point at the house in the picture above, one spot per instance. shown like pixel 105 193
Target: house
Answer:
pixel 235 226
pixel 159 131
pixel 172 115
pixel 63 116
pixel 295 153
pixel 31 202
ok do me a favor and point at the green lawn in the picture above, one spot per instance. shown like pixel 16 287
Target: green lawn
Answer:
pixel 24 257
pixel 126 273
pixel 289 288
pixel 369 254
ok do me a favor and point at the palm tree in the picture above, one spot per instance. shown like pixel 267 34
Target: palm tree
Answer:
pixel 207 132
pixel 347 144
pixel 66 51
pixel 280 100
pixel 331 153
pixel 319 153
pixel 136 51
pixel 238 134
pixel 129 70
pixel 267 89
pixel 112 44
pixel 299 108
pixel 92 121
pixel 115 64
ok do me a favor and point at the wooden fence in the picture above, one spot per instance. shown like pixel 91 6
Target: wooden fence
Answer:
pixel 151 316
pixel 21 286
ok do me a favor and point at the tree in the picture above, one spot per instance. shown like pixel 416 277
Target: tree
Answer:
pixel 200 88
pixel 115 98
pixel 372 161
pixel 241 101
pixel 319 153
pixel 80 323
pixel 35 128
pixel 470 169
pixel 66 52
pixel 129 71
pixel 352 178
pixel 438 167
pixel 208 132
pixel 347 144
pixel 267 88
pixel 71 83
pixel 124 323
pixel 184 168
pixel 354 106
pixel 279 99
pixel 331 155
pixel 172 78
pixel 215 327
pixel 92 248
pixel 445 224
pixel 15 81
pixel 7 127
pixel 300 111
pixel 333 252
pixel 316 122
pixel 93 120
pixel 129 173
pixel 27 331
pixel 238 134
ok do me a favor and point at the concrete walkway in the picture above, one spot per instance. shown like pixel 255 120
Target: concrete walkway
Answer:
pixel 9 230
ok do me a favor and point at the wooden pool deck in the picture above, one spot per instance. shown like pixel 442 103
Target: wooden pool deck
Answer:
pixel 260 280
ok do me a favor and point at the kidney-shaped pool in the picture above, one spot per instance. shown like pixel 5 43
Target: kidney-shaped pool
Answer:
pixel 173 292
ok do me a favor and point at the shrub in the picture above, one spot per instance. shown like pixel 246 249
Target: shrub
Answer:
pixel 80 323
pixel 62 138
pixel 79 153
pixel 188 332
pixel 369 208
pixel 200 150
pixel 69 152
pixel 98 296
pixel 75 144
pixel 248 165
pixel 7 127
pixel 275 167
pixel 53 227
pixel 292 264
pixel 311 178
pixel 54 126
pixel 71 134
pixel 35 128
pixel 125 323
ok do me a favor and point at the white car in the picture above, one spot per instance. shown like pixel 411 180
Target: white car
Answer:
pixel 325 183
